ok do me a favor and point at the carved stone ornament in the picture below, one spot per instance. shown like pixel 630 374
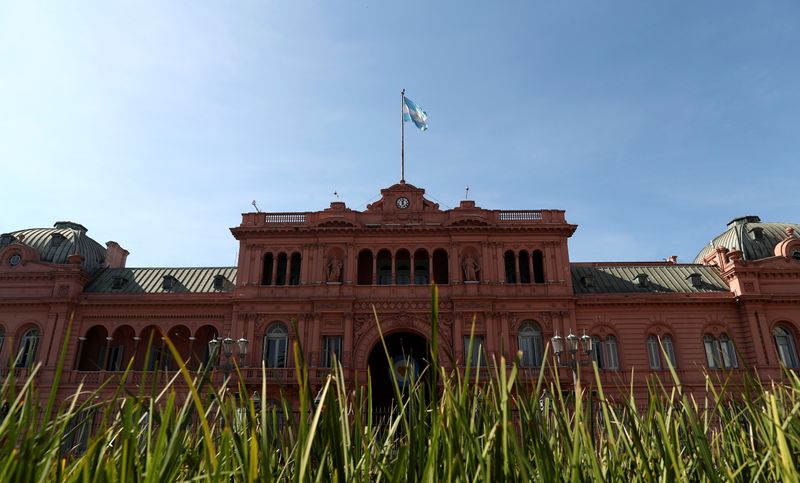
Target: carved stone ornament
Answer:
pixel 333 269
pixel 470 267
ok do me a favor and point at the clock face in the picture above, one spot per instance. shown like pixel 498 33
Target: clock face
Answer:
pixel 402 202
pixel 14 259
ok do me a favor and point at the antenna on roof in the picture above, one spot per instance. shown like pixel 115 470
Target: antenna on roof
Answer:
pixel 255 206
pixel 466 193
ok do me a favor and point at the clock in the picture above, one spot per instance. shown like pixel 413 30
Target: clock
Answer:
pixel 15 259
pixel 402 202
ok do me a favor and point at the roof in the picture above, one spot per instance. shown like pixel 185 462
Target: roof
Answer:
pixel 661 278
pixel 54 249
pixel 150 280
pixel 743 234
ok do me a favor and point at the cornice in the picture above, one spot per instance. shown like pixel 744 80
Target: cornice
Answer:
pixel 722 298
pixel 256 231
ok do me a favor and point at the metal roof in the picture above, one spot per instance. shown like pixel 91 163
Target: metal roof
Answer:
pixel 150 280
pixel 54 249
pixel 609 278
pixel 741 235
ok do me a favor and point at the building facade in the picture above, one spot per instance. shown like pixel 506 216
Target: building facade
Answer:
pixel 319 278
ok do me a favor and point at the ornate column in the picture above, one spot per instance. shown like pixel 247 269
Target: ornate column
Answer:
pixel 501 264
pixel 508 348
pixel 374 268
pixel 314 335
pixel 350 274
pixel 490 324
pixel 531 273
pixel 347 343
pixel 458 337
pixel 516 267
pixel 485 274
pixel 394 268
pixel 553 263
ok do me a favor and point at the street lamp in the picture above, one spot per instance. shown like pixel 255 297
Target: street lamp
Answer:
pixel 570 357
pixel 227 350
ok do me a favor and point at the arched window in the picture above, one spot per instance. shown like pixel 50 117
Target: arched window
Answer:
pixel 787 350
pixel 27 348
pixel 294 272
pixel 605 353
pixel 530 343
pixel 266 277
pixel 365 267
pixel 538 266
pixel 524 267
pixel 275 345
pixel 280 275
pixel 384 267
pixel 421 267
pixel 510 265
pixel 92 355
pixel 440 267
pixel 402 270
pixel 720 353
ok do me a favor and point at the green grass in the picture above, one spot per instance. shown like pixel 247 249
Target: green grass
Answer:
pixel 474 424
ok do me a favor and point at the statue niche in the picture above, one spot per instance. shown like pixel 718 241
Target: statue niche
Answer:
pixel 333 269
pixel 470 267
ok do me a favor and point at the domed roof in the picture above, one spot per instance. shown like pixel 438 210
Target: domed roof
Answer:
pixel 56 244
pixel 756 239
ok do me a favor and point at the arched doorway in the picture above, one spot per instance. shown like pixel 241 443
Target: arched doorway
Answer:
pixel 408 358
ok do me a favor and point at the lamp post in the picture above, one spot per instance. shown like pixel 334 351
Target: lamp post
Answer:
pixel 569 356
pixel 227 344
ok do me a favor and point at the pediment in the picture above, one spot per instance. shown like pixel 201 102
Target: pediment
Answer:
pixel 403 198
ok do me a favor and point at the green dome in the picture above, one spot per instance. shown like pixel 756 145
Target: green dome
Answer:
pixel 756 239
pixel 56 244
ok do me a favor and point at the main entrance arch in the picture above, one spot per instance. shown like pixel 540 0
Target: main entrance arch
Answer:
pixel 408 359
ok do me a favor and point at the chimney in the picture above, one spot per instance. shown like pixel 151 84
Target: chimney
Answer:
pixel 115 255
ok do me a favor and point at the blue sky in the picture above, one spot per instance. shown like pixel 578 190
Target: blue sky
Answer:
pixel 155 124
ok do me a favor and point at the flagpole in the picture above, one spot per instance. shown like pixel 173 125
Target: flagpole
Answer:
pixel 402 137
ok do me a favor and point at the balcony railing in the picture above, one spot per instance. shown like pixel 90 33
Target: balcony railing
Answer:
pixel 520 215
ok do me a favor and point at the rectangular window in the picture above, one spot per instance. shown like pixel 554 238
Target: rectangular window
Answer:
pixel 653 353
pixel 100 363
pixel 476 356
pixel 331 345
pixel 728 351
pixel 597 353
pixel 115 358
pixel 712 353
pixel 669 349
pixel 275 352
pixel 612 357
pixel 526 346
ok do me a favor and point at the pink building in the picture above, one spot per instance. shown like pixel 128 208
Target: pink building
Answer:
pixel 735 309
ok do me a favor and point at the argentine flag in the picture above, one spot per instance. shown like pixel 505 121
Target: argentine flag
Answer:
pixel 412 112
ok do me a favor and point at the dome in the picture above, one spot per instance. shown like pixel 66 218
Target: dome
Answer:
pixel 56 244
pixel 756 239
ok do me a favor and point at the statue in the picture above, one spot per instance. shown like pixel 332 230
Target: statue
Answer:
pixel 470 267
pixel 334 269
